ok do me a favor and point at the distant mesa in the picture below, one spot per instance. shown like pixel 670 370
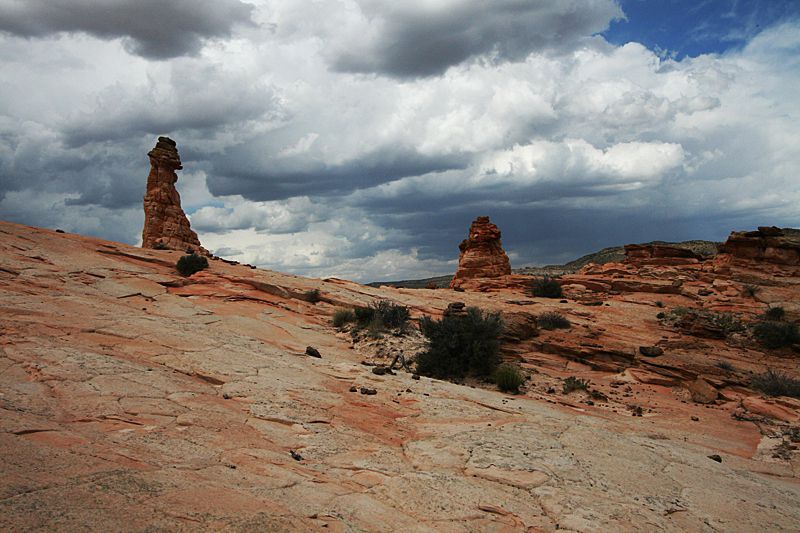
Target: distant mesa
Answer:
pixel 165 224
pixel 482 254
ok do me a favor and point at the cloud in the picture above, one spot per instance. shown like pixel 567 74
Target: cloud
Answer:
pixel 425 38
pixel 291 164
pixel 154 29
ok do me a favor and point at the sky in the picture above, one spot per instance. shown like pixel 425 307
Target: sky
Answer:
pixel 359 139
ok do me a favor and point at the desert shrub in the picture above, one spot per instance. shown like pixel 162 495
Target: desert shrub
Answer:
pixel 508 378
pixel 461 345
pixel 189 264
pixel 572 383
pixel 551 321
pixel 776 383
pixel 724 365
pixel 312 296
pixel 775 313
pixel 546 287
pixel 363 315
pixel 659 304
pixel 343 316
pixel 376 326
pixel 393 316
pixel 728 322
pixel 750 290
pixel 775 334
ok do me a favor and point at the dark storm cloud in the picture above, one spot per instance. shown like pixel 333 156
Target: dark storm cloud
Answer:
pixel 426 42
pixel 155 29
pixel 242 171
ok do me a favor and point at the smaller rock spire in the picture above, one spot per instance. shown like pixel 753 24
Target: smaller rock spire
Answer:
pixel 482 254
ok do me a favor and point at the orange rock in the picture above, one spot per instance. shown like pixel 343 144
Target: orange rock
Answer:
pixel 702 391
pixel 165 223
pixel 482 254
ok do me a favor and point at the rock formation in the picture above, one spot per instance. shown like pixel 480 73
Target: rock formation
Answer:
pixel 482 254
pixel 165 223
pixel 767 250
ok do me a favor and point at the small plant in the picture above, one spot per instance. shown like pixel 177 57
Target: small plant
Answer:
pixel 775 313
pixel 461 345
pixel 546 287
pixel 376 327
pixel 312 296
pixel 724 365
pixel 777 334
pixel 750 290
pixel 189 264
pixel 659 304
pixel 508 378
pixel 726 321
pixel 572 383
pixel 776 383
pixel 343 316
pixel 551 321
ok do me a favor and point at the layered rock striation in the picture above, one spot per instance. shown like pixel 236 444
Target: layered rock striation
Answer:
pixel 165 223
pixel 482 254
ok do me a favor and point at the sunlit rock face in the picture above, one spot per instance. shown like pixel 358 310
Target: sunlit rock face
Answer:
pixel 165 223
pixel 482 254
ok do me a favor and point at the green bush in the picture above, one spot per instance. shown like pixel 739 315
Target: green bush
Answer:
pixel 189 264
pixel 363 315
pixel 546 287
pixel 777 334
pixel 551 321
pixel 776 383
pixel 728 322
pixel 376 326
pixel 775 313
pixel 343 316
pixel 508 378
pixel 312 296
pixel 572 383
pixel 393 316
pixel 458 346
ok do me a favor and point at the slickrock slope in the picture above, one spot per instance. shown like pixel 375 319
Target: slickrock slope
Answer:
pixel 132 400
pixel 482 254
pixel 165 223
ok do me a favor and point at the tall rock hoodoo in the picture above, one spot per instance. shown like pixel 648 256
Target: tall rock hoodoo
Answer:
pixel 165 223
pixel 482 255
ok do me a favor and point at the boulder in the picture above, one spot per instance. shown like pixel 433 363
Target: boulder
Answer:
pixel 702 391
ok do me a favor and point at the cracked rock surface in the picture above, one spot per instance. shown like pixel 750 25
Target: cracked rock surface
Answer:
pixel 133 400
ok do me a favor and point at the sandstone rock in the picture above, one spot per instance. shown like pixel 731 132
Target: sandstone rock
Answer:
pixel 165 223
pixel 455 309
pixel 432 286
pixel 765 245
pixel 482 255
pixel 651 351
pixel 313 352
pixel 654 254
pixel 702 391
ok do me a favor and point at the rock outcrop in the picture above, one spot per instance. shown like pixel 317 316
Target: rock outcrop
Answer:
pixel 165 224
pixel 767 251
pixel 482 254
